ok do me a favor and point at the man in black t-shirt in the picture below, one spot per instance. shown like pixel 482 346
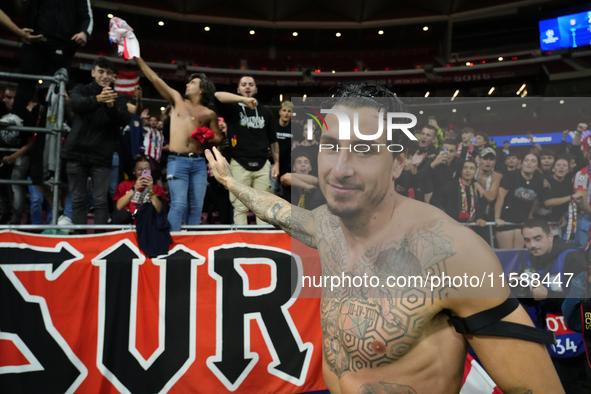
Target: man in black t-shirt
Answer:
pixel 251 133
pixel 284 138
pixel 59 27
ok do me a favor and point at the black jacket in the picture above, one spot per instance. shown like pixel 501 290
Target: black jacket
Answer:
pixel 69 17
pixel 95 127
pixel 574 263
pixel 439 176
pixel 449 198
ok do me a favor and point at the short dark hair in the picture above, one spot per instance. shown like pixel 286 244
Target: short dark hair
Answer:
pixel 562 157
pixel 547 152
pixel 207 88
pixel 537 222
pixel 470 161
pixel 247 76
pixel 449 141
pixel 483 135
pixel 468 130
pixel 300 153
pixel 103 62
pixel 430 127
pixel 368 95
pixel 506 142
pixel 140 157
pixel 511 154
pixel 566 156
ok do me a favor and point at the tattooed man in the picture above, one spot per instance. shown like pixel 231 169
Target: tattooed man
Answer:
pixel 395 337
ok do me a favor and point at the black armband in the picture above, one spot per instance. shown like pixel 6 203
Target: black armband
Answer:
pixel 489 322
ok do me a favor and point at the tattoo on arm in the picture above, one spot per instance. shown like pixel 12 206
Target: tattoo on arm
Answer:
pixel 276 211
pixel 275 152
pixel 518 390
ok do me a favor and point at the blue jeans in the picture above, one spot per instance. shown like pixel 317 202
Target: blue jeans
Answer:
pixel 114 177
pixel 187 182
pixel 37 204
pixel 582 231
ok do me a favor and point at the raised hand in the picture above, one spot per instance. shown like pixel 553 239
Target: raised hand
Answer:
pixel 219 166
pixel 251 102
pixel 27 37
pixel 418 158
pixel 145 114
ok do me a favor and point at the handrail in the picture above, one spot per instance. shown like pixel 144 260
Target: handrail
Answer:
pixel 57 129
pixel 117 227
pixel 203 227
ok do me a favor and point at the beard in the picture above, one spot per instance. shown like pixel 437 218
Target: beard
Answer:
pixel 375 197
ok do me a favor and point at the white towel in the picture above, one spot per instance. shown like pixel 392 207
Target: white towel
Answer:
pixel 121 34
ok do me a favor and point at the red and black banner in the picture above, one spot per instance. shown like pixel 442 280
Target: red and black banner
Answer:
pixel 218 313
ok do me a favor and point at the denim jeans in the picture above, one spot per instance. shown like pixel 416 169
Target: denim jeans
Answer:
pixel 78 174
pixel 114 175
pixel 37 204
pixel 187 182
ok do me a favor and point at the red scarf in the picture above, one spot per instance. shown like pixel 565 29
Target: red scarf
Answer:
pixel 464 214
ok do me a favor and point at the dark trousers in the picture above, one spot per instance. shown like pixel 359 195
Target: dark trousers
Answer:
pixel 78 174
pixel 40 58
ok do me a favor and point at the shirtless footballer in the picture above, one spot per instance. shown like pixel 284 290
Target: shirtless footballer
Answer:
pixel 386 339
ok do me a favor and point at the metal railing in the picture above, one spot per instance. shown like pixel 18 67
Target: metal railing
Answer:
pixel 118 227
pixel 202 227
pixel 55 130
pixel 490 228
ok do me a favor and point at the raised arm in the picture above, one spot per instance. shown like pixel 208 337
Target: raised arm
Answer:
pixel 24 34
pixel 168 93
pixel 295 221
pixel 228 98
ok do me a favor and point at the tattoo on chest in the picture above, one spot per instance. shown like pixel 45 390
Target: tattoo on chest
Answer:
pixel 385 388
pixel 368 326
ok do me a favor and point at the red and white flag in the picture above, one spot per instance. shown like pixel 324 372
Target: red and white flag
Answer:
pixel 127 82
pixel 476 380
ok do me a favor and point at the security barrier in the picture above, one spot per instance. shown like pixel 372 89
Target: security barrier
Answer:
pixel 56 130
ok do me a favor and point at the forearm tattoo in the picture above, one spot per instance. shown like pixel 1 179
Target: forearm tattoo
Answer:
pixel 276 211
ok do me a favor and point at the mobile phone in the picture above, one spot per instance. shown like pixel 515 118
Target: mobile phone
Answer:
pixel 443 150
pixel 431 117
pixel 147 172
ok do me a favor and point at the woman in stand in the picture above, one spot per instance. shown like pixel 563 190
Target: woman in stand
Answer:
pixel 131 194
pixel 517 197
